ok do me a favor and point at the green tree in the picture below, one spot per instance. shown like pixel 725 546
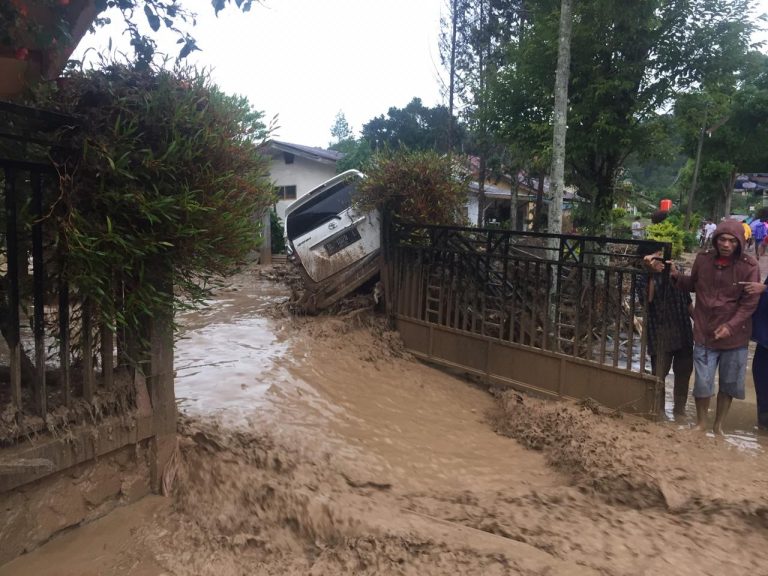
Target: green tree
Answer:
pixel 416 127
pixel 725 121
pixel 629 59
pixel 471 47
pixel 340 131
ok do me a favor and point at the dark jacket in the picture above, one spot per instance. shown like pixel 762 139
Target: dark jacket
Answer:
pixel 760 320
pixel 720 299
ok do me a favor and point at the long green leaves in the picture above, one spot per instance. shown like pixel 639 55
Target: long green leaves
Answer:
pixel 170 184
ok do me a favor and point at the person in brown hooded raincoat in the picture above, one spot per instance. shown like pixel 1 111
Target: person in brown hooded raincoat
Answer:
pixel 722 319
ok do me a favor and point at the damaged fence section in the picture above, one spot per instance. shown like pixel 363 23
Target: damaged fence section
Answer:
pixel 554 314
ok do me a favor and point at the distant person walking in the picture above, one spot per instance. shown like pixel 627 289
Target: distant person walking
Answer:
pixel 759 233
pixel 747 233
pixel 670 336
pixel 638 229
pixel 722 319
pixel 709 229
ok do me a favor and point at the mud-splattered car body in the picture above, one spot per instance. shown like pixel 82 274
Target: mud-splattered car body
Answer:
pixel 335 247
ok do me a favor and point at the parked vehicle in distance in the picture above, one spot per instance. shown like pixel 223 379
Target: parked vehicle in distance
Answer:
pixel 335 247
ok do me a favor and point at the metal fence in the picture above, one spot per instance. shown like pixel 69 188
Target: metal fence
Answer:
pixel 557 314
pixel 57 353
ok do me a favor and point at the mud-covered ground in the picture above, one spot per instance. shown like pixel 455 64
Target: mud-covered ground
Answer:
pixel 315 445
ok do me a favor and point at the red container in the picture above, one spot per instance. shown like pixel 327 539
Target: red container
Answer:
pixel 665 205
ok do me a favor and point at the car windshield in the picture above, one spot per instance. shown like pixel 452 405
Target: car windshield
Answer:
pixel 317 211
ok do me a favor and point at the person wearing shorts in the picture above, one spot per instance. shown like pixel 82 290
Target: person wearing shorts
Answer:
pixel 722 319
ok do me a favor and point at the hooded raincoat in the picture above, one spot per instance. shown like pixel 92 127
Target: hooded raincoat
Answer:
pixel 720 299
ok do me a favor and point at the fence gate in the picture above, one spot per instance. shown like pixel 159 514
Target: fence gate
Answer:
pixel 551 314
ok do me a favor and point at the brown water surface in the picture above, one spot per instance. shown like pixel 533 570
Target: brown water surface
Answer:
pixel 317 446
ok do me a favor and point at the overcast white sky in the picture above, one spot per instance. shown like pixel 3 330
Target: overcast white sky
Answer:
pixel 306 60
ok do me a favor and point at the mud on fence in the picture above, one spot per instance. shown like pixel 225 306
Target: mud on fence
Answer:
pixel 557 315
pixel 70 389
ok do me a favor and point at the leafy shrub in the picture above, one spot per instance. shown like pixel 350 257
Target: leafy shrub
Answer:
pixel 618 214
pixel 667 231
pixel 419 187
pixel 277 231
pixel 166 180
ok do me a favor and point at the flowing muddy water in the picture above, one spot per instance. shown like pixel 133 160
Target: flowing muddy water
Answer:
pixel 317 446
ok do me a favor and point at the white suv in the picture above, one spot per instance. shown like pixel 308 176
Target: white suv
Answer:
pixel 335 247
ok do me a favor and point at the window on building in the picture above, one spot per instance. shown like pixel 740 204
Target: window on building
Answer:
pixel 288 157
pixel 286 192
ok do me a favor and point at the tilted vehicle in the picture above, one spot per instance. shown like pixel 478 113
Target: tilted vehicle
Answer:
pixel 335 247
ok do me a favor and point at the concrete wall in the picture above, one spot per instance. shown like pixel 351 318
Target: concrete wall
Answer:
pixel 303 173
pixel 31 514
pixel 53 481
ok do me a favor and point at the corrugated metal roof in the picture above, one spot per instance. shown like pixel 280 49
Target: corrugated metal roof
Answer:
pixel 309 152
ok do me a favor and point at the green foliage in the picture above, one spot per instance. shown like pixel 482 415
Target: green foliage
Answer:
pixel 667 231
pixel 166 183
pixel 277 231
pixel 357 154
pixel 415 127
pixel 415 186
pixel 340 131
pixel 628 60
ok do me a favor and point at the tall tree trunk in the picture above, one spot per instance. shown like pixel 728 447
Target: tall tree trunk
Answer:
pixel 557 184
pixel 695 179
pixel 729 194
pixel 452 73
pixel 481 192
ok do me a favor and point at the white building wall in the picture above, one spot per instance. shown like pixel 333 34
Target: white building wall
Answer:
pixel 473 206
pixel 303 173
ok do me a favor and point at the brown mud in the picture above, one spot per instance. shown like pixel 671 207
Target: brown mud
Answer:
pixel 316 445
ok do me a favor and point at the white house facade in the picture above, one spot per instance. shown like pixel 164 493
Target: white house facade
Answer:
pixel 296 169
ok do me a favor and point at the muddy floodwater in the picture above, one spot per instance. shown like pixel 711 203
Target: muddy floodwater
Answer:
pixel 318 446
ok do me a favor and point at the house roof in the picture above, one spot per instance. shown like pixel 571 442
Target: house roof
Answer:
pixel 492 191
pixel 308 152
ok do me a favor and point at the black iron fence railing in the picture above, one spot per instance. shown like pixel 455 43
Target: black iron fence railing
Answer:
pixel 60 358
pixel 572 295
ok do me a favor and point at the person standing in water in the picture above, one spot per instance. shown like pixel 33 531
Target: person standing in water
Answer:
pixel 722 319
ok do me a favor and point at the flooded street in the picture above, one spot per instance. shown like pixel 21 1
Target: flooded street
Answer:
pixel 317 446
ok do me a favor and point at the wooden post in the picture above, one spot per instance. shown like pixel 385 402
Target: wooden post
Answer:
pixel 161 389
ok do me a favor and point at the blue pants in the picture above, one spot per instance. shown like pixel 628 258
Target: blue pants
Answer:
pixel 760 376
